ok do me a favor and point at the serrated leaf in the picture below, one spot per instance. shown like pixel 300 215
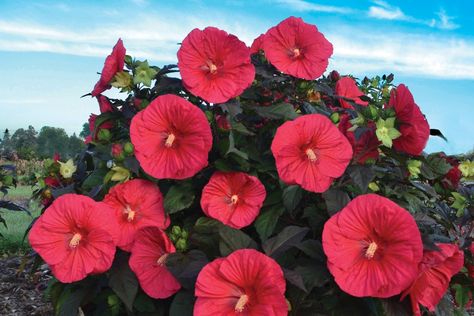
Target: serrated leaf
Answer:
pixel 179 197
pixel 234 239
pixel 267 220
pixel 277 111
pixel 290 236
pixel 292 196
pixel 335 200
pixel 122 280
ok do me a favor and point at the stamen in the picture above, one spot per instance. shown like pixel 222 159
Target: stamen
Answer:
pixel 162 260
pixel 130 213
pixel 311 155
pixel 169 140
pixel 370 252
pixel 74 242
pixel 296 52
pixel 212 68
pixel 240 306
pixel 234 199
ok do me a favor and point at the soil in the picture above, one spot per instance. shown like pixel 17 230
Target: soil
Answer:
pixel 22 292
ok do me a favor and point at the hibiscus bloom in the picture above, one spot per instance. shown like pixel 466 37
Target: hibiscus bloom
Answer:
pixel 297 48
pixel 435 272
pixel 233 198
pixel 412 123
pixel 75 237
pixel 257 44
pixel 310 151
pixel 346 87
pixel 92 128
pixel 148 262
pixel 172 138
pixel 366 146
pixel 215 65
pixel 246 281
pixel 113 64
pixel 373 247
pixel 137 203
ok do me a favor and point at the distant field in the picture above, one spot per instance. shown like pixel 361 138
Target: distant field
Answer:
pixel 17 222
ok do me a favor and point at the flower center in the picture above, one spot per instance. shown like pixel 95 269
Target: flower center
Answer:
pixel 243 300
pixel 130 214
pixel 383 132
pixel 169 140
pixel 370 252
pixel 234 199
pixel 162 260
pixel 210 66
pixel 311 155
pixel 296 52
pixel 74 242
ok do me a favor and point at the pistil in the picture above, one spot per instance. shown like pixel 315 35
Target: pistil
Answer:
pixel 240 306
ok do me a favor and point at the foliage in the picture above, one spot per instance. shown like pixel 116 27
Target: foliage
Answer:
pixel 291 221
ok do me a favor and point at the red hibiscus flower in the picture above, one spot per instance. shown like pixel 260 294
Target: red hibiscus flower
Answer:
pixel 172 138
pixel 366 146
pixel 215 65
pixel 373 247
pixel 113 63
pixel 92 128
pixel 297 48
pixel 435 272
pixel 412 123
pixel 310 151
pixel 148 262
pixel 75 237
pixel 246 281
pixel 346 87
pixel 257 44
pixel 233 198
pixel 137 203
pixel 104 104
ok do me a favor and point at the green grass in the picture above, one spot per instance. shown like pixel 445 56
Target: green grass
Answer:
pixel 17 222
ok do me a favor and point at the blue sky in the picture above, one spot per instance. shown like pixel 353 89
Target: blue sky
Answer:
pixel 51 51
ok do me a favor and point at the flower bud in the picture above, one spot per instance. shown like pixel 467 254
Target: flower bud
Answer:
pixel 128 148
pixel 374 186
pixel 176 230
pixel 117 150
pixel 181 244
pixel 335 117
pixel 104 135
pixel 334 75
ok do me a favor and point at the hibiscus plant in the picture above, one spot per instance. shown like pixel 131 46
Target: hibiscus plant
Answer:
pixel 253 183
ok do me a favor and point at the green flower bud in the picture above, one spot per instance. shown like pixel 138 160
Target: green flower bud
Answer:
pixel 184 234
pixel 414 167
pixel 128 148
pixel 176 230
pixel 374 186
pixel 104 135
pixel 181 244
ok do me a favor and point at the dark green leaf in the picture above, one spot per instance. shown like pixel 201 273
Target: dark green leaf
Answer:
pixel 122 280
pixel 393 307
pixel 295 278
pixel 234 239
pixel 186 267
pixel 232 149
pixel 314 275
pixel 335 200
pixel 61 191
pixel 179 197
pixel 313 249
pixel 292 196
pixel 70 299
pixel 277 111
pixel 267 220
pixel 437 132
pixel 183 304
pixel 361 175
pixel 289 237
pixel 13 207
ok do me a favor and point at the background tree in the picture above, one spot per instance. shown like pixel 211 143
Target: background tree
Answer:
pixel 85 131
pixel 75 145
pixel 52 140
pixel 23 142
pixel 5 145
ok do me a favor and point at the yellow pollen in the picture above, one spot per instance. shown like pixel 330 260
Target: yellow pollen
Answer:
pixel 234 199
pixel 131 215
pixel 169 140
pixel 162 260
pixel 76 238
pixel 212 68
pixel 370 252
pixel 243 300
pixel 311 155
pixel 296 52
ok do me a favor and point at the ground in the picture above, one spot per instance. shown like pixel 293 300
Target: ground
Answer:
pixel 21 291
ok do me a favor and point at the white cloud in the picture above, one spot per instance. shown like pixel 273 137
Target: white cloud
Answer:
pixel 445 22
pixel 304 6
pixel 385 11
